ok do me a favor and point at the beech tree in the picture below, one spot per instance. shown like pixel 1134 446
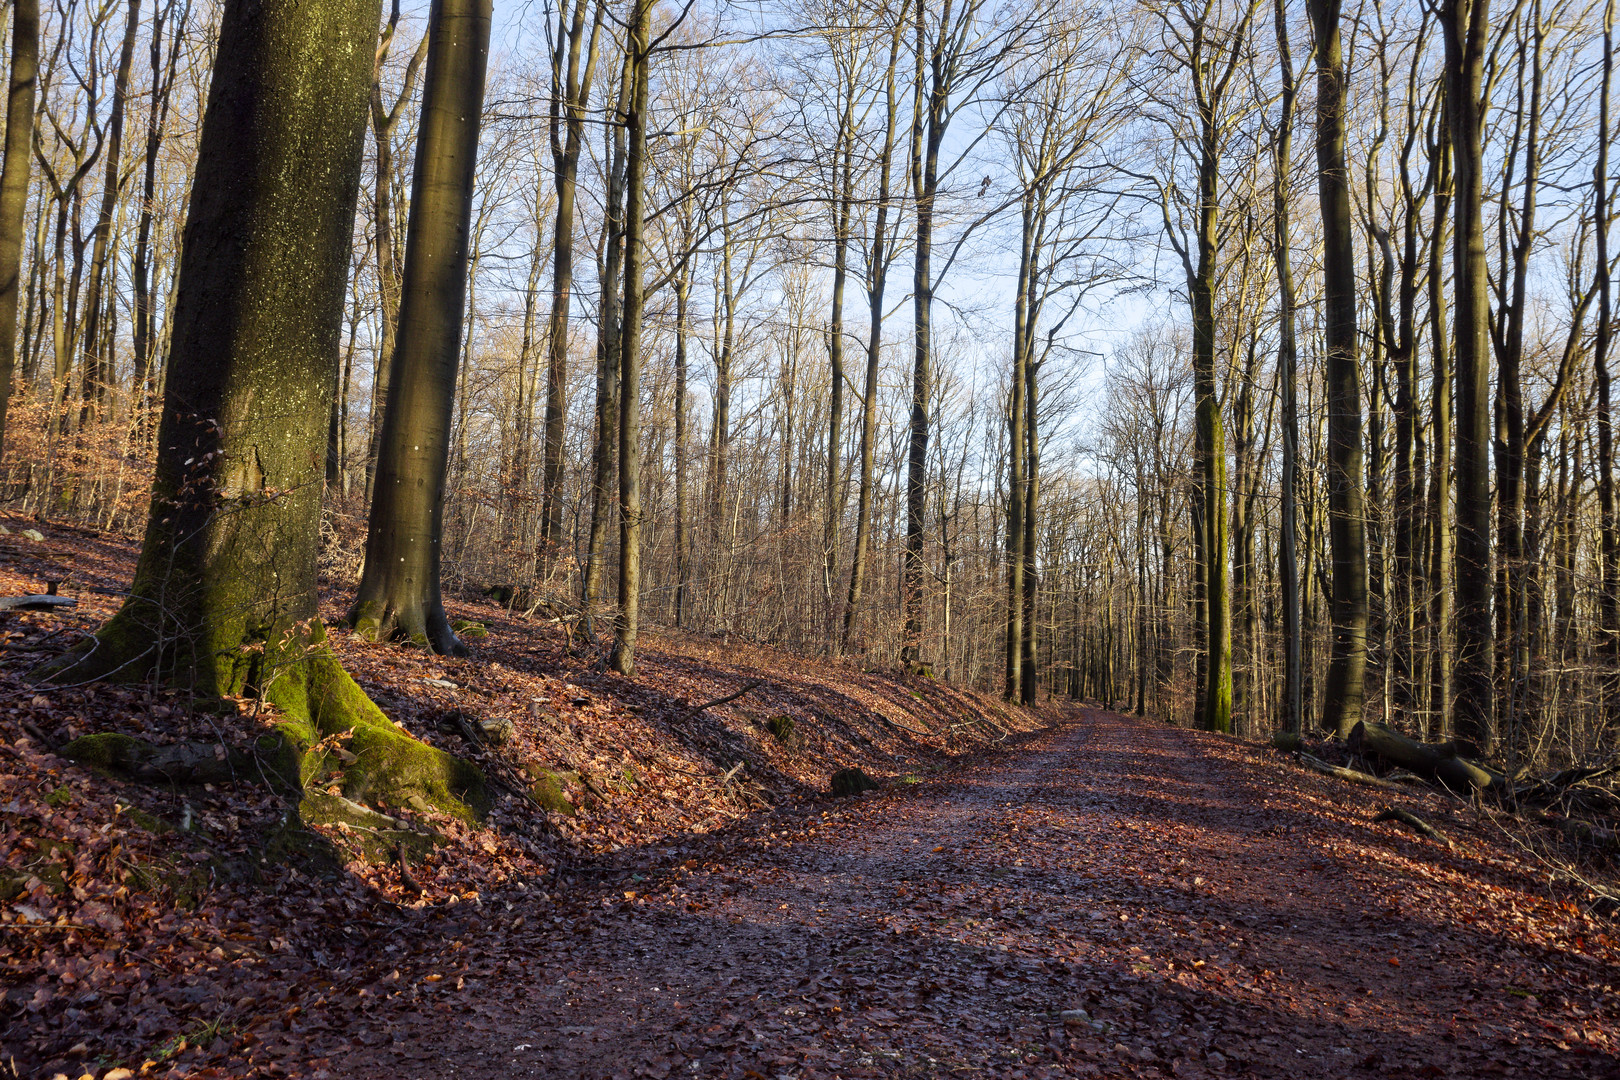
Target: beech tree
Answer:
pixel 399 595
pixel 224 596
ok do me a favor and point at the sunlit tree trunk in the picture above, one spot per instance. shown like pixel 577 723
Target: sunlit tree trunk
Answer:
pixel 14 184
pixel 399 594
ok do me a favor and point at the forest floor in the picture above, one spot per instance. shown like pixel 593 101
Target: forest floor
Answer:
pixel 1064 893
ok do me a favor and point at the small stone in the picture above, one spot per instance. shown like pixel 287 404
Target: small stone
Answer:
pixel 1075 1016
pixel 35 535
pixel 442 684
pixel 497 731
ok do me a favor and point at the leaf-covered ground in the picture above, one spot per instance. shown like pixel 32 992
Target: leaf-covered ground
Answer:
pixel 148 925
pixel 1103 897
pixel 1114 899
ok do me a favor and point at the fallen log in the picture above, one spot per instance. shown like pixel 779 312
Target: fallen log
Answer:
pixel 1346 774
pixel 1413 822
pixel 41 602
pixel 1438 762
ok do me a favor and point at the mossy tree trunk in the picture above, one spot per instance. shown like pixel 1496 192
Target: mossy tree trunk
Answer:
pixel 224 596
pixel 399 597
pixel 14 183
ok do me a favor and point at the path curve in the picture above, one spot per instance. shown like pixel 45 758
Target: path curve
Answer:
pixel 1197 907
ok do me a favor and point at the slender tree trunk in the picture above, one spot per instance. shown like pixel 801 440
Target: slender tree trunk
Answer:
pixel 1347 665
pixel 635 120
pixel 1609 520
pixel 682 285
pixel 14 184
pixel 1017 458
pixel 877 277
pixel 1466 26
pixel 143 332
pixel 97 374
pixel 571 89
pixel 1287 368
pixel 399 594
pixel 928 132
pixel 1441 537
pixel 1030 668
pixel 607 362
pixel 384 121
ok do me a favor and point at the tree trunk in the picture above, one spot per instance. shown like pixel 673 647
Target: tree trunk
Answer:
pixel 607 361
pixel 1017 459
pixel 1467 31
pixel 571 90
pixel 399 595
pixel 383 123
pixel 1609 523
pixel 635 121
pixel 1347 665
pixel 877 277
pixel 98 374
pixel 224 596
pixel 14 184
pixel 1441 543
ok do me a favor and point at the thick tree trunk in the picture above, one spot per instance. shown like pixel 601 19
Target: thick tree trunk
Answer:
pixel 224 596
pixel 399 595
pixel 1441 762
pixel 14 184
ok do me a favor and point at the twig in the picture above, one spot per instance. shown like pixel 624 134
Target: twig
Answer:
pixel 405 870
pixel 729 697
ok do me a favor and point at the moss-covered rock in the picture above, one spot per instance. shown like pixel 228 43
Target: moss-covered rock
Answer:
pixel 852 781
pixel 468 630
pixel 549 793
pixel 782 727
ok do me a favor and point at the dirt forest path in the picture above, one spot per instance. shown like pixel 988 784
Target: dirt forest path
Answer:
pixel 1210 908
